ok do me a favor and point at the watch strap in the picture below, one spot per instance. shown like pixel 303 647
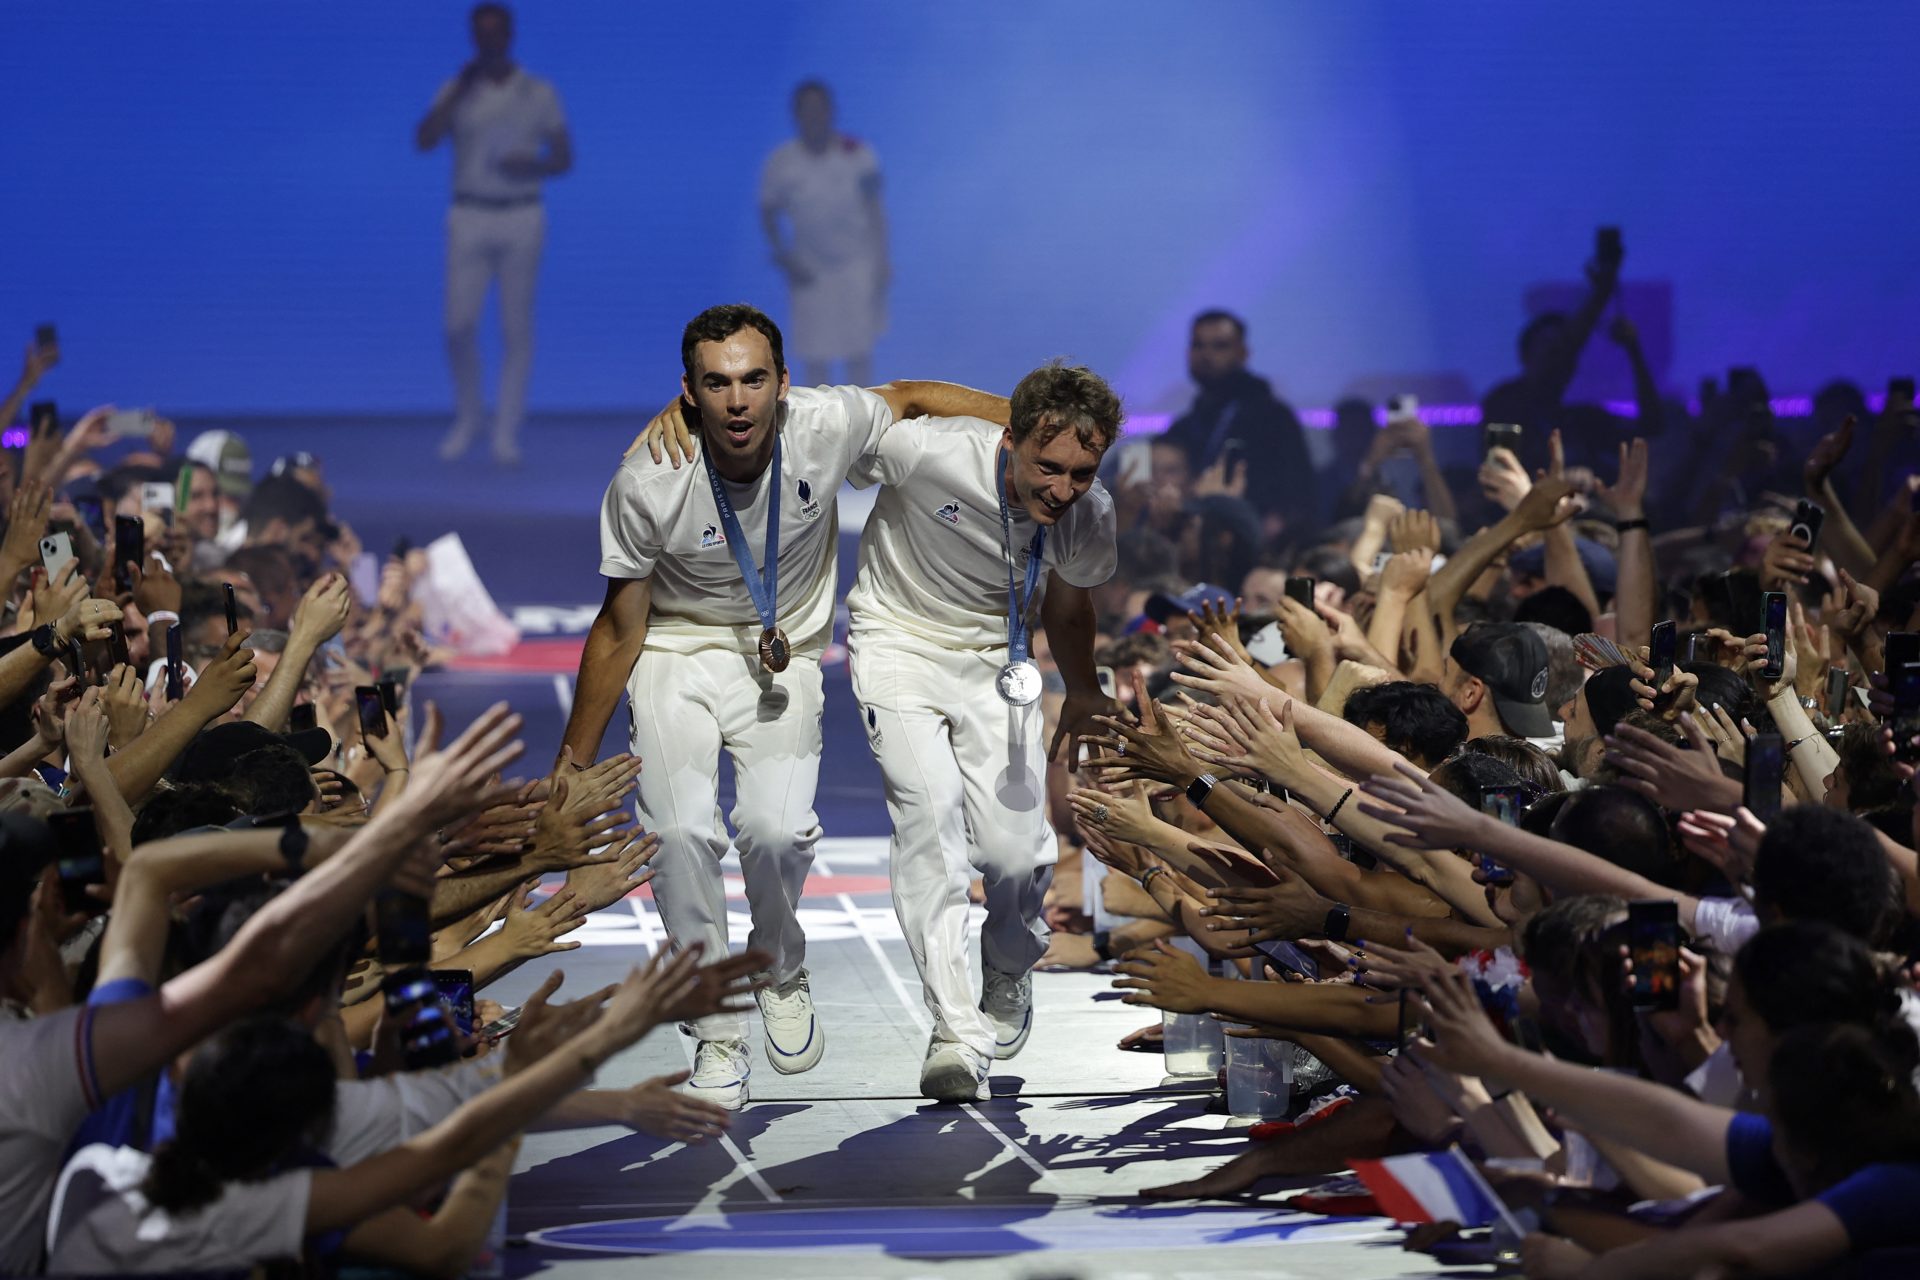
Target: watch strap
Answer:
pixel 1339 916
pixel 1200 788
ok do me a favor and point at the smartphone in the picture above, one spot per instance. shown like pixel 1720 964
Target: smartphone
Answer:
pixel 1500 435
pixel 402 928
pixel 117 651
pixel 1607 246
pixel 1808 516
pixel 1300 590
pixel 157 495
pixel 129 548
pixel 130 424
pixel 1506 804
pixel 1694 640
pixel 45 335
pixel 1744 613
pixel 55 550
pixel 1905 680
pixel 1766 761
pixel 500 1028
pixel 303 717
pixel 427 1037
pixel 43 418
pixel 1775 604
pixel 176 669
pixel 1666 638
pixel 77 662
pixel 1108 685
pixel 456 988
pixel 390 688
pixel 1136 468
pixel 1901 647
pixel 1836 693
pixel 1402 408
pixel 233 607
pixel 1653 944
pixel 78 857
pixel 373 711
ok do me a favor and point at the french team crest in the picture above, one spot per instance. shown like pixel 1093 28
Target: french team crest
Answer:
pixel 809 505
pixel 712 537
pixel 949 512
pixel 874 733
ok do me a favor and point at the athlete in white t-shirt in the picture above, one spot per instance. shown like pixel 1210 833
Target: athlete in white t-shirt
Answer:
pixel 827 187
pixel 977 531
pixel 714 652
pixel 509 135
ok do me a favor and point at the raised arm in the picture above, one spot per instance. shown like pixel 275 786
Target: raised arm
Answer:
pixel 1545 505
pixel 918 399
pixel 318 618
pixel 613 646
pixel 1635 603
pixel 138 767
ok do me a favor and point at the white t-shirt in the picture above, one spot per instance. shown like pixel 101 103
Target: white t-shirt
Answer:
pixel 372 1116
pixel 46 1090
pixel 931 557
pixel 497 119
pixel 102 1225
pixel 825 195
pixel 661 523
pixel 1724 924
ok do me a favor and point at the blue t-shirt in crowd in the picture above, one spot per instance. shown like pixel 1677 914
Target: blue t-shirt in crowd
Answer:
pixel 119 1120
pixel 1874 1204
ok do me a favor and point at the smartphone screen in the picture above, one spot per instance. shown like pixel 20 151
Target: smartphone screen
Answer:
pixel 79 858
pixel 1906 710
pixel 456 988
pixel 1807 519
pixel 1300 590
pixel 1653 944
pixel 1666 637
pixel 1501 435
pixel 1836 693
pixel 373 712
pixel 1766 759
pixel 303 717
pixel 129 548
pixel 1776 628
pixel 402 928
pixel 43 418
pixel 390 696
pixel 176 667
pixel 1607 245
pixel 45 335
pixel 1506 804
pixel 232 599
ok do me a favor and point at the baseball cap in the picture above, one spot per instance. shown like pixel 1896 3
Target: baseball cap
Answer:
pixel 227 456
pixel 1162 606
pixel 212 754
pixel 1512 661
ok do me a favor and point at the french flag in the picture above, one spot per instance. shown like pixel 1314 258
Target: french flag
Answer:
pixel 1433 1186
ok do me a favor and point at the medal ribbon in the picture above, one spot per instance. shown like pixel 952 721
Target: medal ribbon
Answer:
pixel 1018 602
pixel 762 584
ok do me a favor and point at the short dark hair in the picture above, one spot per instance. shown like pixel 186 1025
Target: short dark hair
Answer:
pixel 1216 315
pixel 283 498
pixel 1468 773
pixel 174 809
pixel 1558 608
pixel 1816 863
pixel 1621 826
pixel 1535 767
pixel 270 568
pixel 1843 1096
pixel 201 599
pixel 812 85
pixel 490 9
pixel 717 324
pixel 1418 720
pixel 1057 397
pixel 270 780
pixel 1804 971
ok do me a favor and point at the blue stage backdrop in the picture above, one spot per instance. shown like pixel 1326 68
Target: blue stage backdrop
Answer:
pixel 220 205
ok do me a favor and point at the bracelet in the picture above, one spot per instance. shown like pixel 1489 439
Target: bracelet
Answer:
pixel 1344 797
pixel 1628 526
pixel 1147 879
pixel 1797 741
pixel 163 615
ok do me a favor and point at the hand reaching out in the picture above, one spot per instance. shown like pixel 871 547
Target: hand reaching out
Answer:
pixel 531 930
pixel 1826 455
pixel 657 1107
pixel 1627 496
pixel 1414 530
pixel 601 884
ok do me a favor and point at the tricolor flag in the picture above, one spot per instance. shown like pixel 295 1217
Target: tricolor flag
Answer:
pixel 1434 1186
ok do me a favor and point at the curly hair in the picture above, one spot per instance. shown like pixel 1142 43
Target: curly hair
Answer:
pixel 1058 396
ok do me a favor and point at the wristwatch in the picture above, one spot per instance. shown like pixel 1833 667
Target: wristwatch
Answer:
pixel 293 841
pixel 1338 917
pixel 46 641
pixel 1200 788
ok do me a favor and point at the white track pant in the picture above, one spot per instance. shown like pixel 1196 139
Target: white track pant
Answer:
pixel 966 788
pixel 686 707
pixel 483 245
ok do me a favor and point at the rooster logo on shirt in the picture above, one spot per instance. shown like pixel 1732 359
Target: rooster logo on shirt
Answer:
pixel 712 537
pixel 950 513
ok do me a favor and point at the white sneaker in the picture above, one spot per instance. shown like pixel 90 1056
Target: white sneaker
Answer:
pixel 795 1038
pixel 720 1071
pixel 953 1073
pixel 457 442
pixel 506 453
pixel 1007 1000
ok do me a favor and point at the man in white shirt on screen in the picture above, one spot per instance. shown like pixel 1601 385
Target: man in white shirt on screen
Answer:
pixel 826 185
pixel 509 135
pixel 721 582
pixel 977 531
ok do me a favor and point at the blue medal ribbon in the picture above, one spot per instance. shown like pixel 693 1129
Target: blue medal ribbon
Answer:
pixel 1018 629
pixel 762 584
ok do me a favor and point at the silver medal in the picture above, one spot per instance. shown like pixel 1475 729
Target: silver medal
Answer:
pixel 1019 684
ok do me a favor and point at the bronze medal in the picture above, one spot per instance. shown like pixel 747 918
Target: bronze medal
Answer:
pixel 775 652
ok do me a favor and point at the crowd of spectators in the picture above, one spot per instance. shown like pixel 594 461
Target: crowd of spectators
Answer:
pixel 1562 807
